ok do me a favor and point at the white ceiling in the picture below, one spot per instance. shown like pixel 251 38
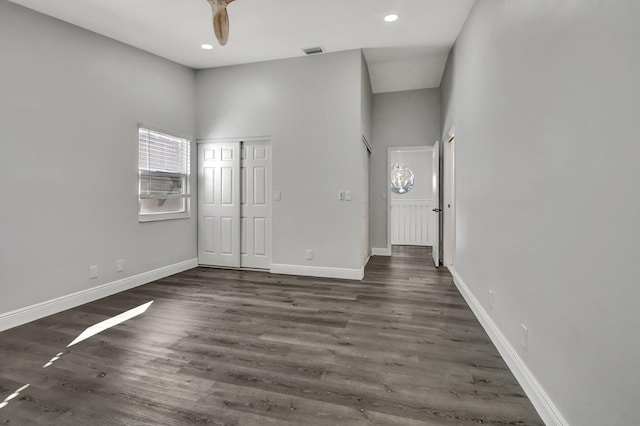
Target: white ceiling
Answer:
pixel 407 54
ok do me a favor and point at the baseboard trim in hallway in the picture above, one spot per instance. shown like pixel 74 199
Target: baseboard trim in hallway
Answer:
pixel 40 310
pixel 380 251
pixel 534 390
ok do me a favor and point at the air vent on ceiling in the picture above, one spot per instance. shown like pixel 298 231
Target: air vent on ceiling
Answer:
pixel 313 50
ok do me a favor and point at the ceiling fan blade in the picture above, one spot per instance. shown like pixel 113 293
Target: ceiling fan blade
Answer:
pixel 221 26
pixel 220 20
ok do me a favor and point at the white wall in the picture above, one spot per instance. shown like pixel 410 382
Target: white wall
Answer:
pixel 70 101
pixel 311 107
pixel 545 96
pixel 410 118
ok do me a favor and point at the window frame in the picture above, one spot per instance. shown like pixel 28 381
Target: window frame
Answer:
pixel 186 194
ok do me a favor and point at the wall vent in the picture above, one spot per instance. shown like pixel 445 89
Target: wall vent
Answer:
pixel 313 50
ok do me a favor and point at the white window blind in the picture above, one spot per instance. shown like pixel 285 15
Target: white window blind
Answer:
pixel 163 165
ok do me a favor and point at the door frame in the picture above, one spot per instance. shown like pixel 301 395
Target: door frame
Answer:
pixel 449 213
pixel 369 150
pixel 240 139
pixel 437 179
pixel 388 179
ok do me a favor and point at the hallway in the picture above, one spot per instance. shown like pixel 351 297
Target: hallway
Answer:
pixel 229 347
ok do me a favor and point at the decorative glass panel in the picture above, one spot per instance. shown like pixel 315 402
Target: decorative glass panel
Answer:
pixel 402 178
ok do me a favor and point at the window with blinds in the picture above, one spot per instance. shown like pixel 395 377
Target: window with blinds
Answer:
pixel 163 168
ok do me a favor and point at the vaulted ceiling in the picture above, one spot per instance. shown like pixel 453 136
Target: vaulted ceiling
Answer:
pixel 406 54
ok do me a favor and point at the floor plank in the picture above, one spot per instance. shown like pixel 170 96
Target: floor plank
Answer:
pixel 227 347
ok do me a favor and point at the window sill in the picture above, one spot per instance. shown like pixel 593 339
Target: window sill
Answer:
pixel 162 216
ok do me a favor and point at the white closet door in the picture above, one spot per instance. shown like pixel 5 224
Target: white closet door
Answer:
pixel 219 204
pixel 255 230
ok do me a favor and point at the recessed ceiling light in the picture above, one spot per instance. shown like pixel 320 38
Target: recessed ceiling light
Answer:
pixel 391 18
pixel 207 46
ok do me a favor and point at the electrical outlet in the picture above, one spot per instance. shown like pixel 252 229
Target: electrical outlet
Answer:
pixel 119 265
pixel 347 195
pixel 490 300
pixel 309 254
pixel 524 342
pixel 93 271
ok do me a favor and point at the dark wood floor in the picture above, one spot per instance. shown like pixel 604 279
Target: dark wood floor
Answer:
pixel 249 348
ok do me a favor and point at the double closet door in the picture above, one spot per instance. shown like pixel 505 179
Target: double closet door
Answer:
pixel 234 204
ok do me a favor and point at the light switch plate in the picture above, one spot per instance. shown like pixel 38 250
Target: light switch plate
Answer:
pixel 277 195
pixel 347 195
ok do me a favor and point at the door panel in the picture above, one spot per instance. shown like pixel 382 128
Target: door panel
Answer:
pixel 227 186
pixel 243 185
pixel 209 185
pixel 256 208
pixel 260 236
pixel 208 244
pixel 218 207
pixel 259 186
pixel 243 236
pixel 227 224
pixel 411 222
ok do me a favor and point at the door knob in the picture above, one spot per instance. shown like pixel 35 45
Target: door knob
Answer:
pixel 436 210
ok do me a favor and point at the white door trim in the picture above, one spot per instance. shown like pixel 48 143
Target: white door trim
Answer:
pixel 449 213
pixel 365 243
pixel 235 139
pixel 435 213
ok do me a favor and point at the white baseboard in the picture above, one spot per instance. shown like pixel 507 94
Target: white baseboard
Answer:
pixel 377 251
pixel 534 390
pixel 318 271
pixel 40 310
